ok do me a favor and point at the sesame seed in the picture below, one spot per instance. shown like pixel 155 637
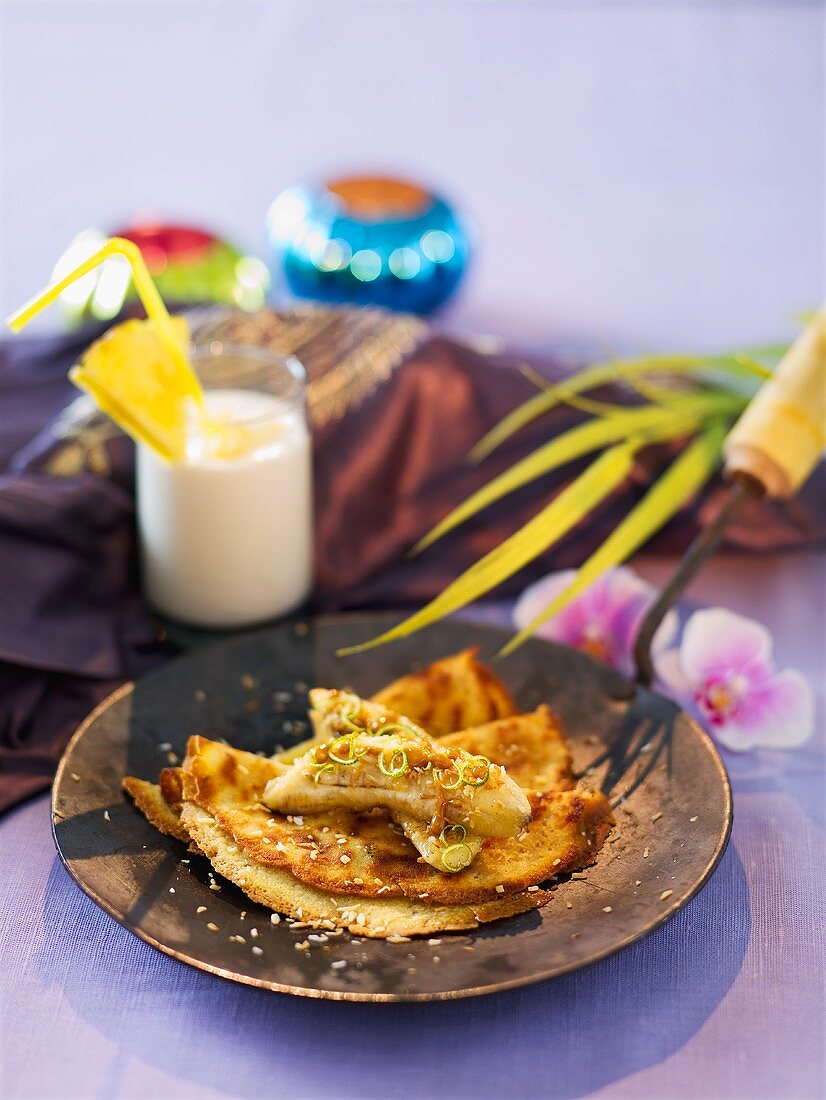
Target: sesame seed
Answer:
pixel 607 909
pixel 106 816
pixel 556 862
pixel 532 889
pixel 214 886
pixel 666 894
pixel 436 959
pixel 275 918
pixel 345 859
pixel 568 905
pixel 314 854
pixel 638 882
pixel 692 819
pixel 646 853
pixel 76 777
pixel 301 946
pixel 212 927
pixel 500 889
pixel 397 939
pixel 254 933
pixel 257 951
pixel 201 909
pixel 657 816
pixel 339 964
pixel 575 935
pixel 172 889
pixel 433 943
pixel 579 875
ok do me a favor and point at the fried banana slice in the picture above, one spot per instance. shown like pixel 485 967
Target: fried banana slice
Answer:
pixel 376 759
pixel 452 850
pixel 530 746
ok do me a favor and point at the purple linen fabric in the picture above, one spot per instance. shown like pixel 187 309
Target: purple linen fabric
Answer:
pixel 727 1000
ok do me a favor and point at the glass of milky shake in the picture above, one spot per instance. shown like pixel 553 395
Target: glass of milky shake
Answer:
pixel 226 533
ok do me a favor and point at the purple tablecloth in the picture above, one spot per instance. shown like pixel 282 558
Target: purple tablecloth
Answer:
pixel 725 1001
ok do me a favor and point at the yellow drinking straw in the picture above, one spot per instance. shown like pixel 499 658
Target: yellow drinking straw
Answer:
pixel 128 370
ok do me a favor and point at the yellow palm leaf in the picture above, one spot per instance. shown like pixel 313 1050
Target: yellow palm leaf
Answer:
pixel 683 478
pixel 654 422
pixel 602 374
pixel 556 519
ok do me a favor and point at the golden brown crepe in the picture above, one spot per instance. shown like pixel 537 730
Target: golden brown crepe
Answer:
pixel 357 869
pixel 452 694
pixel 372 917
pixel 366 854
pixel 149 799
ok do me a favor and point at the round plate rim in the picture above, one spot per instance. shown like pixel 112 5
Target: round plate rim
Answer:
pixel 128 688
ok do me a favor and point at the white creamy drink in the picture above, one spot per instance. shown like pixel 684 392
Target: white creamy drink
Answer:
pixel 226 533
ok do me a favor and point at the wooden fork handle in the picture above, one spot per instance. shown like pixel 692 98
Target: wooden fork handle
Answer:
pixel 780 437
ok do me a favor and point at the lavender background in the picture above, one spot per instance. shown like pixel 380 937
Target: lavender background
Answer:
pixel 643 173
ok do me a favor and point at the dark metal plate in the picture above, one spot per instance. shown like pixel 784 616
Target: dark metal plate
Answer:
pixel 673 812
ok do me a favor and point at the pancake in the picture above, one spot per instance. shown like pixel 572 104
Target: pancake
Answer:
pixel 452 694
pixel 150 800
pixel 371 917
pixel 366 854
pixel 358 870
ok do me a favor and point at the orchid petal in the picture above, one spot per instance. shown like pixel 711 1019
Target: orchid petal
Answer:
pixel 719 642
pixel 776 714
pixel 605 617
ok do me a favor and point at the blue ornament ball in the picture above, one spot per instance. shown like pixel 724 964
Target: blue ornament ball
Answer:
pixel 367 240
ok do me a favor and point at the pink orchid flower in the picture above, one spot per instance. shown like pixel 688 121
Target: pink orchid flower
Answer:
pixel 603 620
pixel 724 669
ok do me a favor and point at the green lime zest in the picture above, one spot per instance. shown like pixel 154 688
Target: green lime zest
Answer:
pixel 349 721
pixel 450 786
pixel 456 857
pixel 396 766
pixel 474 780
pixel 346 742
pixel 452 834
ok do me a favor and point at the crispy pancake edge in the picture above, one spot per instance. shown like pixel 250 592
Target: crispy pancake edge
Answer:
pixel 373 917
